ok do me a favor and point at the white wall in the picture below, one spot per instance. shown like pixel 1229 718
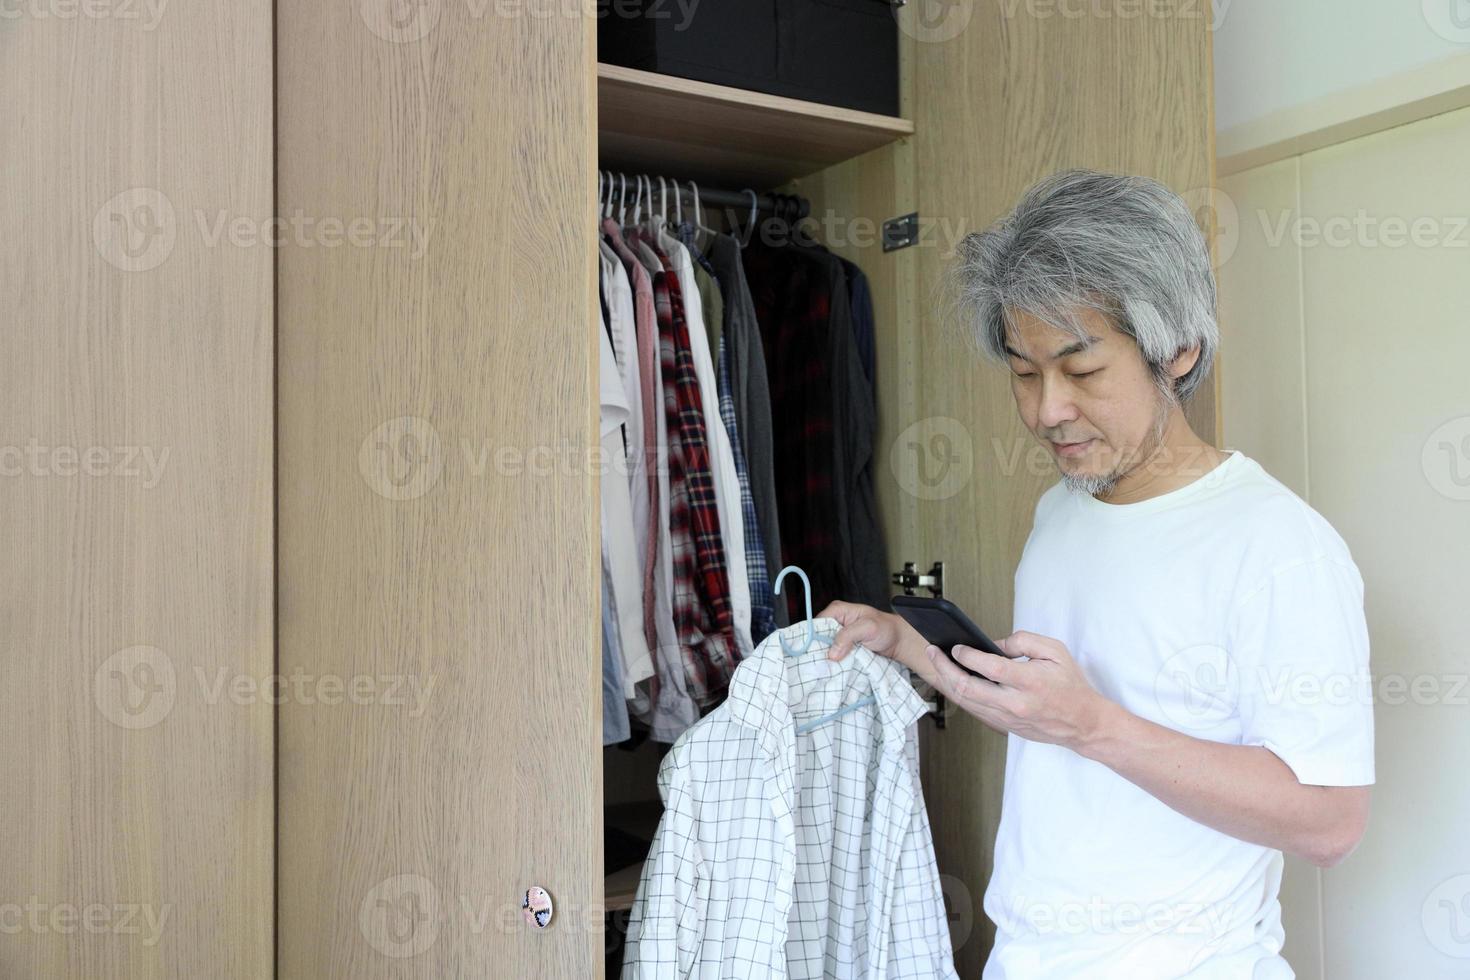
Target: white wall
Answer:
pixel 1343 372
pixel 1279 54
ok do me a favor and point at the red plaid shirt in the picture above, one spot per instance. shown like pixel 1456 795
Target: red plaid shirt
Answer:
pixel 702 616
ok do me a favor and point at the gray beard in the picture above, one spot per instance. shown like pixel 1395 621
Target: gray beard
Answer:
pixel 1096 485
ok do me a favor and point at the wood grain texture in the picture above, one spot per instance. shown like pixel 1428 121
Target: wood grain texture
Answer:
pixel 458 548
pixel 697 130
pixel 1011 97
pixel 135 446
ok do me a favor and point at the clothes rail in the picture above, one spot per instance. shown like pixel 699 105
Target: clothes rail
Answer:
pixel 624 183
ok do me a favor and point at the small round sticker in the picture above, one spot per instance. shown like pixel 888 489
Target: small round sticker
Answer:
pixel 536 907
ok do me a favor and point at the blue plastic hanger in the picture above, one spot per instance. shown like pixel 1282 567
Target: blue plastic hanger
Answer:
pixel 813 641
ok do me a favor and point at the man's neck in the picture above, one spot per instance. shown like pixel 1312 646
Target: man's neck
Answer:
pixel 1180 458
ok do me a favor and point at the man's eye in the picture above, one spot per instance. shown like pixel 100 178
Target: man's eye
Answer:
pixel 1087 374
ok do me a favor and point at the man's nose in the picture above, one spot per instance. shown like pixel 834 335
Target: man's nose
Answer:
pixel 1057 406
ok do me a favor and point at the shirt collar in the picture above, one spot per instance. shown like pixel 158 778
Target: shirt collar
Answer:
pixel 761 686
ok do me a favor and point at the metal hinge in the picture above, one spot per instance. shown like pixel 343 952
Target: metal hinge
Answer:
pixel 901 232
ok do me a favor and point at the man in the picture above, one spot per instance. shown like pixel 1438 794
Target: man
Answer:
pixel 1182 694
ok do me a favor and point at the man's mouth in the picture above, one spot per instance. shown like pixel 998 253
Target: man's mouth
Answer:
pixel 1071 448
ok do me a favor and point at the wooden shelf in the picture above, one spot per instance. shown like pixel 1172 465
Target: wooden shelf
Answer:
pixel 661 124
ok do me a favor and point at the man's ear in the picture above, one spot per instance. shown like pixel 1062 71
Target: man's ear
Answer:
pixel 1184 362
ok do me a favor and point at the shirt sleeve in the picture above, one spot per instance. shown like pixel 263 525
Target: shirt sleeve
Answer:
pixel 667 921
pixel 1300 645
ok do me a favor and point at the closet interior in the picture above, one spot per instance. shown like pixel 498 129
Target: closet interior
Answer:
pixel 698 161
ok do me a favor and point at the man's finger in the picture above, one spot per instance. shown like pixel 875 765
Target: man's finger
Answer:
pixel 1030 645
pixel 993 666
pixel 858 631
pixel 958 685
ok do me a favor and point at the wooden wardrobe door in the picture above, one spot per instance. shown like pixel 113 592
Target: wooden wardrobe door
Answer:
pixel 437 499
pixel 1004 93
pixel 136 799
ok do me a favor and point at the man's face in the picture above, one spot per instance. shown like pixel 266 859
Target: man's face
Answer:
pixel 1093 404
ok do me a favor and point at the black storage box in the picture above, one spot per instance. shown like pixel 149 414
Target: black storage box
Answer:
pixel 838 52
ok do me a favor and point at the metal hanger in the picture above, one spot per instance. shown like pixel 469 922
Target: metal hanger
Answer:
pixel 812 641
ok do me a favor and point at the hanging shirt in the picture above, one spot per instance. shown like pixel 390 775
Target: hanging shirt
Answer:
pixel 650 401
pixel 1209 610
pixel 619 555
pixel 794 856
pixel 623 332
pixel 702 615
pixel 722 457
pixel 668 708
pixel 615 726
pixel 762 621
pixel 750 390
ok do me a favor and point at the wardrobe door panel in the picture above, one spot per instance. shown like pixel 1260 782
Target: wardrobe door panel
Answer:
pixel 136 801
pixel 1005 93
pixel 437 500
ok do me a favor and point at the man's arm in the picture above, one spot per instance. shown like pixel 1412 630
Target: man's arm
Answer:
pixel 1245 791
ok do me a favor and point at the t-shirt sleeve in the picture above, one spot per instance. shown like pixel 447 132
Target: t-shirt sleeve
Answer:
pixel 1300 645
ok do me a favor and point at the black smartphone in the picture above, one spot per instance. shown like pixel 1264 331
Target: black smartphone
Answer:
pixel 943 624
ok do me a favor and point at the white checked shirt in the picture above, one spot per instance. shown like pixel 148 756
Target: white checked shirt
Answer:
pixel 794 856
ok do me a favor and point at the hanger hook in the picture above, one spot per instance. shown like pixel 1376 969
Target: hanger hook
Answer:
pixel 811 629
pixel 678 202
pixel 698 215
pixel 750 225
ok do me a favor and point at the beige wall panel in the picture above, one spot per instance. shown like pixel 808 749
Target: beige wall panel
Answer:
pixel 1263 410
pixel 1006 93
pixel 135 508
pixel 1388 411
pixel 438 504
pixel 1262 382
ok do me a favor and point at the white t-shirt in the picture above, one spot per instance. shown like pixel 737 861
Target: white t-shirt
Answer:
pixel 1229 610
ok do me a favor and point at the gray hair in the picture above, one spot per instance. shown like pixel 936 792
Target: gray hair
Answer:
pixel 1125 246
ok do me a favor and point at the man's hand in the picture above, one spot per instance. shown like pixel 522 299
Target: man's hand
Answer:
pixel 1044 698
pixel 886 634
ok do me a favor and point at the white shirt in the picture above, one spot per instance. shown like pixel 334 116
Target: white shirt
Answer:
pixel 619 293
pixel 619 555
pixel 1212 610
pixel 721 454
pixel 786 855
